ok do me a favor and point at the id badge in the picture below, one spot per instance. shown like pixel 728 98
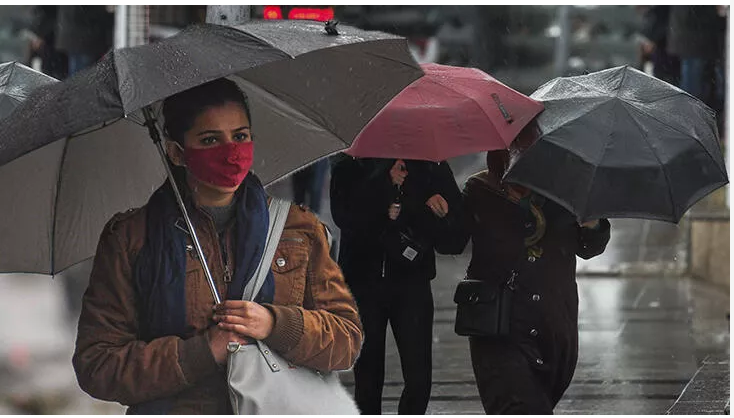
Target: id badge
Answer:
pixel 410 253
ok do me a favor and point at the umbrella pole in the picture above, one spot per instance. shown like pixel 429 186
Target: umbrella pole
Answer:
pixel 155 136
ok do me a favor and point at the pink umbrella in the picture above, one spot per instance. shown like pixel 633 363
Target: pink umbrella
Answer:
pixel 450 111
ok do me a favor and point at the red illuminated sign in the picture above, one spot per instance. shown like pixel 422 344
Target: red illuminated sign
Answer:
pixel 272 13
pixel 304 13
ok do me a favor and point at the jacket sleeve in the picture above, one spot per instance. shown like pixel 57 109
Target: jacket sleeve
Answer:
pixel 467 210
pixel 325 334
pixel 359 203
pixel 449 235
pixel 452 231
pixel 593 241
pixel 110 362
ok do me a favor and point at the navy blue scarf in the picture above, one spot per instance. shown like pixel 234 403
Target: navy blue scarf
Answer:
pixel 159 271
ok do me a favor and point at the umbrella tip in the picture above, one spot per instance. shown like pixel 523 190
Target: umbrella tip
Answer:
pixel 330 27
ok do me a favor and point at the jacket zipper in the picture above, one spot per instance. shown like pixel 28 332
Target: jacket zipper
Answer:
pixel 227 272
pixel 384 260
pixel 225 256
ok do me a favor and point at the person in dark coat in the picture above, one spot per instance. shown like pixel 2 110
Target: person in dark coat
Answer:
pixel 516 230
pixel 43 26
pixel 697 35
pixel 372 201
pixel 308 184
pixel 84 33
pixel 655 22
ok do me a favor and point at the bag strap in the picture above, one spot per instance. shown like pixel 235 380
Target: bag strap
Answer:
pixel 278 209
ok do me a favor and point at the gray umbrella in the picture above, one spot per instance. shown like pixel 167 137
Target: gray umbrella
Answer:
pixel 76 152
pixel 16 82
pixel 619 143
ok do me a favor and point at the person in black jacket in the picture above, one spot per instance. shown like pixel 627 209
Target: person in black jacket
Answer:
pixel 84 33
pixel 393 215
pixel 43 27
pixel 655 22
pixel 697 34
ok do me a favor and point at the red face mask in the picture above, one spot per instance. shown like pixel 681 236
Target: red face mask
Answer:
pixel 224 165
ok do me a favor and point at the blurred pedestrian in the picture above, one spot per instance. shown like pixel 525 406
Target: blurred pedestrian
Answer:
pixel 149 336
pixel 393 214
pixel 697 35
pixel 528 244
pixel 308 185
pixel 654 46
pixel 43 43
pixel 455 39
pixel 84 33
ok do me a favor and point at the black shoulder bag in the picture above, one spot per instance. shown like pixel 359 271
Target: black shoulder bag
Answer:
pixel 483 307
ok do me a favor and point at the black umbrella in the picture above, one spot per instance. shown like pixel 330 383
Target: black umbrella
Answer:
pixel 78 150
pixel 619 143
pixel 17 82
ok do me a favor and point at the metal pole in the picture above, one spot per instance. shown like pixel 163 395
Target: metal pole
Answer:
pixel 155 136
pixel 120 26
pixel 727 100
pixel 227 15
pixel 562 43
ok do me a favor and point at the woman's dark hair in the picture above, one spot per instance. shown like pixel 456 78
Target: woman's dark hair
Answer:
pixel 497 162
pixel 181 109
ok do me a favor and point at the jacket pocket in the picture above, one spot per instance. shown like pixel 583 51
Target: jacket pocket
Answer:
pixel 198 299
pixel 290 269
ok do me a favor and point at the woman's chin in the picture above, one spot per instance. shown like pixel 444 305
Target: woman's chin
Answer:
pixel 215 188
pixel 221 189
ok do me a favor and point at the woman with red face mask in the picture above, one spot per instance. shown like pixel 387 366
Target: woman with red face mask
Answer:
pixel 149 334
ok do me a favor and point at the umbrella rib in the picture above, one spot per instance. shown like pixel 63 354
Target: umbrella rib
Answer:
pixel 490 120
pixel 100 127
pixel 382 57
pixel 596 166
pixel 56 204
pixel 606 144
pixel 595 107
pixel 672 96
pixel 481 109
pixel 676 91
pixel 434 141
pixel 679 131
pixel 10 76
pixel 621 82
pixel 261 39
pixel 662 166
pixel 303 103
pixel 606 93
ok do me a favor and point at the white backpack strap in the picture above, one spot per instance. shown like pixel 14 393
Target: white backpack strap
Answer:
pixel 279 209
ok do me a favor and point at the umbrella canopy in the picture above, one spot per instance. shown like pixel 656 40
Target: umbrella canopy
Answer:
pixel 451 111
pixel 301 83
pixel 16 82
pixel 620 143
pixel 75 152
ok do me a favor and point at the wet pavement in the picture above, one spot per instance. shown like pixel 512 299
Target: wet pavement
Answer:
pixel 641 340
pixel 708 391
pixel 644 331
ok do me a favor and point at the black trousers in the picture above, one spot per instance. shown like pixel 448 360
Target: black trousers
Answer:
pixel 407 305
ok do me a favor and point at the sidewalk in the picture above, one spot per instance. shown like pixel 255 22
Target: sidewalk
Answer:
pixel 641 340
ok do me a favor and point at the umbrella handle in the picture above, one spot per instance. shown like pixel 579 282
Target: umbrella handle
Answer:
pixel 156 137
